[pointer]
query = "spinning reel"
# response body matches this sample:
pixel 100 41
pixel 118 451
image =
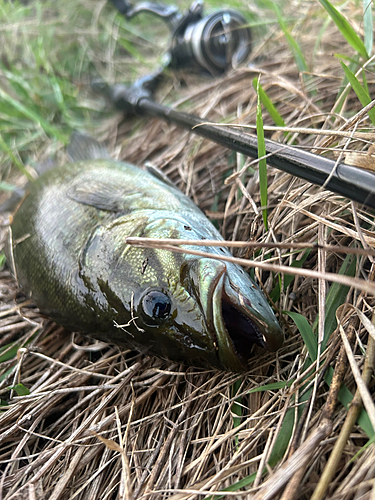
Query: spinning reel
pixel 213 43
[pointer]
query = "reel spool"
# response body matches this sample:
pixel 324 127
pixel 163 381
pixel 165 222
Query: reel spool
pixel 215 43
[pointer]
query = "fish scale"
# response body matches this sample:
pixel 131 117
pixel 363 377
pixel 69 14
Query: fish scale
pixel 71 256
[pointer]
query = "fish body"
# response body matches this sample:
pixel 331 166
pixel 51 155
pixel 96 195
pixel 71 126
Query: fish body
pixel 70 255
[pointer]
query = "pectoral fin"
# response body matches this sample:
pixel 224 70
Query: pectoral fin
pixel 83 147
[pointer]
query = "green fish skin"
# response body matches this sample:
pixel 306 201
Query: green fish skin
pixel 70 255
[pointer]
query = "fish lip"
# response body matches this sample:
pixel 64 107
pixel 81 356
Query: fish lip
pixel 235 343
pixel 210 284
pixel 226 350
pixel 214 285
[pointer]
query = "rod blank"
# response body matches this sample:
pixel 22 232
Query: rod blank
pixel 346 180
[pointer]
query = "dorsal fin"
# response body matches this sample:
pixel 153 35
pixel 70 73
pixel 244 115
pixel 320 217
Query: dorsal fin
pixel 84 147
pixel 159 174
pixel 103 195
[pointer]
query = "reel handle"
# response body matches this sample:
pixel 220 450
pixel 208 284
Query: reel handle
pixel 168 13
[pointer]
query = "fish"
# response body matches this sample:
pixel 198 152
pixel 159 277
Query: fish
pixel 70 255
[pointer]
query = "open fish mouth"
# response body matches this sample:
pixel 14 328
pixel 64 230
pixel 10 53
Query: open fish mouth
pixel 236 312
pixel 240 318
pixel 240 328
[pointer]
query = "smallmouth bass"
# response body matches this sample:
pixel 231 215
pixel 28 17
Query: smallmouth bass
pixel 70 255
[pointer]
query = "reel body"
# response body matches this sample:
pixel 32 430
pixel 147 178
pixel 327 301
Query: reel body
pixel 213 44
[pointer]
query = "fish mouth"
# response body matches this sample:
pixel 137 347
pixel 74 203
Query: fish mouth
pixel 238 325
pixel 236 312
pixel 240 328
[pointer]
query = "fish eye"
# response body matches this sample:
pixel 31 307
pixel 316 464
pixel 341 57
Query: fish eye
pixel 156 305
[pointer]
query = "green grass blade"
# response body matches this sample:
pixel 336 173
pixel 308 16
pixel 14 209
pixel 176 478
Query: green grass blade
pixel 362 95
pixel 345 397
pixel 307 333
pixel 272 387
pixel 129 47
pixel 275 293
pixel 10 352
pixel 6 373
pixel 32 115
pixel 294 46
pixel 2 259
pixel 234 487
pixel 296 263
pixel 345 29
pixel 367 25
pixel 268 104
pixel 364 447
pixel 262 161
pixel 285 433
pixel 283 438
pixel 5 186
pixel 365 84
pixel 4 146
pixel 344 57
pixel 335 298
pixel 23 88
pixel 20 389
pixel 319 38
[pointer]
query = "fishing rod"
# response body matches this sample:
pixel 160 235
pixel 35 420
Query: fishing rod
pixel 213 47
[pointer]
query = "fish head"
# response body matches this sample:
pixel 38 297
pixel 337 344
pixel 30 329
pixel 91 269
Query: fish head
pixel 170 322
pixel 201 311
pixel 208 314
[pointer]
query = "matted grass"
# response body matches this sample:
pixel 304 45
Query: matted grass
pixel 81 419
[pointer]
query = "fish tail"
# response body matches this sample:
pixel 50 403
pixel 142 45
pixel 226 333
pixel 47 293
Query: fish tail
pixel 83 147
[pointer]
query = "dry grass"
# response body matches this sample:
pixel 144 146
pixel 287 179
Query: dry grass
pixel 101 424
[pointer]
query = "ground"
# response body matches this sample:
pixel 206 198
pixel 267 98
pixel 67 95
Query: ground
pixel 83 419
